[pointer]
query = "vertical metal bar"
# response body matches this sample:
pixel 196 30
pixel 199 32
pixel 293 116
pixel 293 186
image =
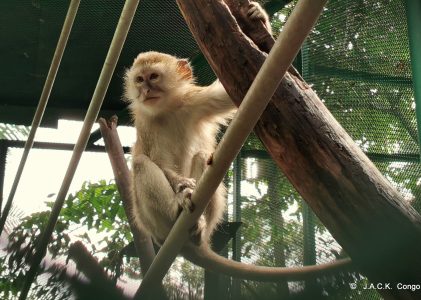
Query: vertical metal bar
pixel 3 155
pixel 236 242
pixel 261 91
pixel 42 104
pixel 304 65
pixel 215 284
pixel 110 63
pixel 308 216
pixel 236 245
pixel 309 236
pixel 309 242
pixel 413 13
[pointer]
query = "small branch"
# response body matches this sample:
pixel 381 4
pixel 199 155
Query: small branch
pixel 142 241
pixel 98 278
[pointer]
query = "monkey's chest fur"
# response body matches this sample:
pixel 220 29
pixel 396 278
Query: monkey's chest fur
pixel 172 143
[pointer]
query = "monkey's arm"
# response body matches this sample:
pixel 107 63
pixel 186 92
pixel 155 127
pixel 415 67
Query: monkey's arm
pixel 212 101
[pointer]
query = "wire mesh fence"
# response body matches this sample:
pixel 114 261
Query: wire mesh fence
pixel 357 60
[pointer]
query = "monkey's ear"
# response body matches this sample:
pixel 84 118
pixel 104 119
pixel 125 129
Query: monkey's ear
pixel 184 69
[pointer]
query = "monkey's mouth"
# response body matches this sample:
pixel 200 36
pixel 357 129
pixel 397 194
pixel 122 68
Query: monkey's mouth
pixel 151 99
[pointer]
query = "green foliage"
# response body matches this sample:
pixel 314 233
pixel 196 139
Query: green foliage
pixel 93 215
pixel 13 132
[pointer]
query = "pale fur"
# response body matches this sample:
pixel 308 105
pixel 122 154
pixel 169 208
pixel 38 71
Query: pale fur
pixel 175 138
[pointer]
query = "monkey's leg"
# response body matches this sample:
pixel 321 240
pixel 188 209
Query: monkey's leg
pixel 154 194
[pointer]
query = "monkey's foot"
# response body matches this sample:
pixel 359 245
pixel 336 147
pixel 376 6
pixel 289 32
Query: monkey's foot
pixel 256 12
pixel 197 230
pixel 184 199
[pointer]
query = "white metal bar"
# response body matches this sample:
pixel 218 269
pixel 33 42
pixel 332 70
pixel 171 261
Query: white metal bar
pixel 42 104
pixel 110 63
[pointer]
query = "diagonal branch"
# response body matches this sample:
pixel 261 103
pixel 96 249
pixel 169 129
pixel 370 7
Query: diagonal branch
pixel 142 241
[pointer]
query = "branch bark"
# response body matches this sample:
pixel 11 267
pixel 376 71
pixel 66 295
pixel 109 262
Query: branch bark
pixel 366 215
pixel 142 241
pixel 98 278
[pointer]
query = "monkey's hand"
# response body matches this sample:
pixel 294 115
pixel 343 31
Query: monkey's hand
pixel 184 190
pixel 185 183
pixel 256 12
pixel 177 182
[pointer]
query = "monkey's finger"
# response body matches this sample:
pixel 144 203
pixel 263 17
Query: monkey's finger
pixel 186 183
pixel 184 199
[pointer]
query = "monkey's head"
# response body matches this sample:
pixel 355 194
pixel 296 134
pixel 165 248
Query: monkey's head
pixel 156 81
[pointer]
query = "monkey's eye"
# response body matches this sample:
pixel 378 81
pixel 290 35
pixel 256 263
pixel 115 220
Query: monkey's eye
pixel 139 79
pixel 153 76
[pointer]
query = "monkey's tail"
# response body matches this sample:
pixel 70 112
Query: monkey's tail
pixel 204 257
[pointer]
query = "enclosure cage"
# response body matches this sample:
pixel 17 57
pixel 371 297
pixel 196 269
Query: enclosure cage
pixel 358 61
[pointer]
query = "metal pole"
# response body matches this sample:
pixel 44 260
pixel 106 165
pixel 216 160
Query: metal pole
pixel 413 12
pixel 42 104
pixel 264 86
pixel 110 63
pixel 3 155
pixel 236 241
pixel 309 242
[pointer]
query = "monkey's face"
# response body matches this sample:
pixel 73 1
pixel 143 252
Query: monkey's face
pixel 154 82
pixel 146 86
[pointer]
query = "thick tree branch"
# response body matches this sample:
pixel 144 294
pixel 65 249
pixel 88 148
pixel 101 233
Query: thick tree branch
pixel 256 30
pixel 367 216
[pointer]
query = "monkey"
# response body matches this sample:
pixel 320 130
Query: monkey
pixel 176 123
